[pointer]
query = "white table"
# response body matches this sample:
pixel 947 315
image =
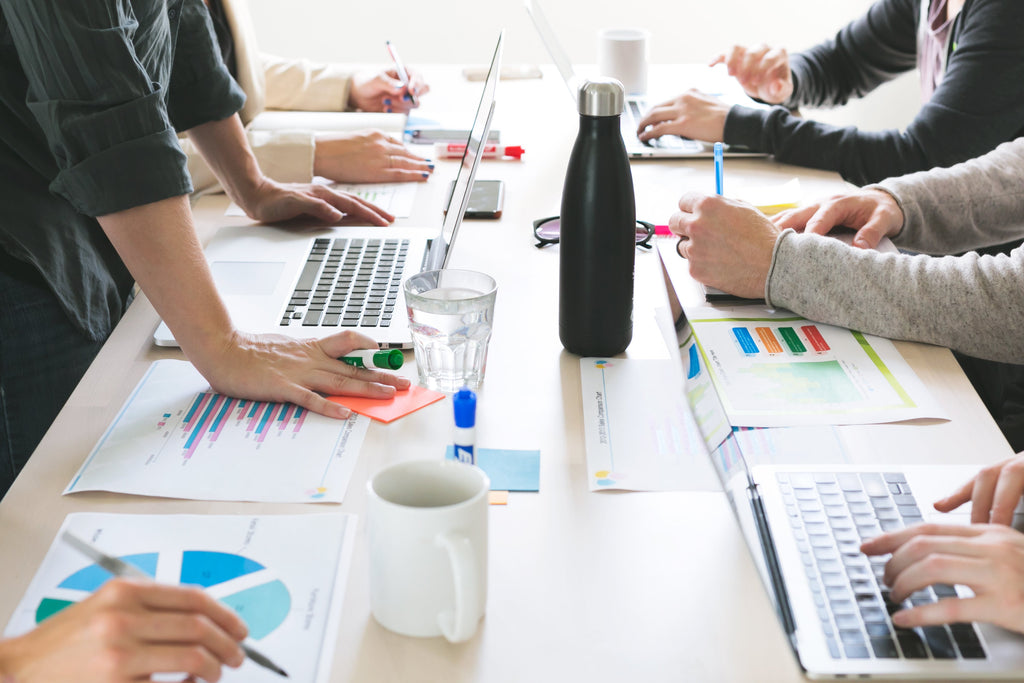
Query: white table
pixel 583 586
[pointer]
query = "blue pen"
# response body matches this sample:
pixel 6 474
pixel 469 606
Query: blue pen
pixel 718 167
pixel 464 402
pixel 402 73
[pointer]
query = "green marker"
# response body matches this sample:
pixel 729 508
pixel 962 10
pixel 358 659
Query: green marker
pixel 376 358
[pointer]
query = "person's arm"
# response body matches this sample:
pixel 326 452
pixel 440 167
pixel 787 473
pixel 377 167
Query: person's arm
pixel 303 85
pixel 976 106
pixel 128 631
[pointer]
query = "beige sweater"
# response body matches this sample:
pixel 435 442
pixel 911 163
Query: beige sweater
pixel 274 83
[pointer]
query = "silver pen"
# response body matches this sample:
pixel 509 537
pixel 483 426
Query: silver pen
pixel 119 567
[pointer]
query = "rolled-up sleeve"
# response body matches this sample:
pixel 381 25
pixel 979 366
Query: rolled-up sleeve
pixel 97 74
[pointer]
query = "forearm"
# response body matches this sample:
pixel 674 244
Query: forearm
pixel 974 204
pixel 224 146
pixel 971 304
pixel 286 156
pixel 865 53
pixel 303 85
pixel 159 246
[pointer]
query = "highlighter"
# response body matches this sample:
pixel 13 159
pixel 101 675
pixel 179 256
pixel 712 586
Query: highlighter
pixel 375 358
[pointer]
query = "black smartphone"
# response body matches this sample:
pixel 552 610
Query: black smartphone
pixel 486 199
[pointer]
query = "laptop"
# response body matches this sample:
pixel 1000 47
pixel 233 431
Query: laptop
pixel 315 283
pixel 636 106
pixel 804 525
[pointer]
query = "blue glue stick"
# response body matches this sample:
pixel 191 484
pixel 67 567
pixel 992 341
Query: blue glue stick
pixel 464 401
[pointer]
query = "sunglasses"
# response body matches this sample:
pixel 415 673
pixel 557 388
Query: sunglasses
pixel 546 231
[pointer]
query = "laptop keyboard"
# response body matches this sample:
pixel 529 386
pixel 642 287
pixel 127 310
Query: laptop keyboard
pixel 348 283
pixel 831 514
pixel 673 142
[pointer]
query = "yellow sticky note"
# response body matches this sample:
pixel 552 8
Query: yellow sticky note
pixel 771 200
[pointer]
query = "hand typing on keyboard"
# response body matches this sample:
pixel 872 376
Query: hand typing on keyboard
pixel 987 558
pixel 994 493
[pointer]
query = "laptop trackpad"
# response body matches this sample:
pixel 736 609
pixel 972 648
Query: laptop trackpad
pixel 246 278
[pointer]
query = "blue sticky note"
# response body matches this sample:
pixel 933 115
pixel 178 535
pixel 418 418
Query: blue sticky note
pixel 508 470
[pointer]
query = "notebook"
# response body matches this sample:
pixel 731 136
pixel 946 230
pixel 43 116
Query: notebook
pixel 804 525
pixel 317 282
pixel 636 106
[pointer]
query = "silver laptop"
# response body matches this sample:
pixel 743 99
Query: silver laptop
pixel 804 526
pixel 315 283
pixel 636 106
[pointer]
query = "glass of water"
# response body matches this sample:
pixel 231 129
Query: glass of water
pixel 450 314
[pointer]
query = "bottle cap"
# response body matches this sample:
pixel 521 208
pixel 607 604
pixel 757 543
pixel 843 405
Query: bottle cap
pixel 601 97
pixel 464 401
pixel 392 359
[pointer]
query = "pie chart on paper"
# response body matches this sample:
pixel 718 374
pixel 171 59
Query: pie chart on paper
pixel 260 598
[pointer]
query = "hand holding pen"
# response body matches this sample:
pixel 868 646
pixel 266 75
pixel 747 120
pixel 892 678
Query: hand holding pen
pixel 158 594
pixel 411 86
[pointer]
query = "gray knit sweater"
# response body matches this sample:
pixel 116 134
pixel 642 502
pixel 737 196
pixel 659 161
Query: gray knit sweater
pixel 973 304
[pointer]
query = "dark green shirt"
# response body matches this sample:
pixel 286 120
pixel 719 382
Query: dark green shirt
pixel 91 94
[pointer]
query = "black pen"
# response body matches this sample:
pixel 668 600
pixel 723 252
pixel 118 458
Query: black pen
pixel 119 567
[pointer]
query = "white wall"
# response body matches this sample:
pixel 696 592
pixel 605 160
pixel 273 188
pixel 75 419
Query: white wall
pixel 463 32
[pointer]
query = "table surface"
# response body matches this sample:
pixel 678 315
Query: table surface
pixel 603 586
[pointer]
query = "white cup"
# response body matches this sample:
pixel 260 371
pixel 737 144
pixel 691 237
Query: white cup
pixel 427 529
pixel 622 54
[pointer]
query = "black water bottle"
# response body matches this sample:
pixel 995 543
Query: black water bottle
pixel 597 240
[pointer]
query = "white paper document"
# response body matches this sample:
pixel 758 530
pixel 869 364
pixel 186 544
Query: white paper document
pixel 774 368
pixel 650 425
pixel 176 438
pixel 285 575
pixel 395 198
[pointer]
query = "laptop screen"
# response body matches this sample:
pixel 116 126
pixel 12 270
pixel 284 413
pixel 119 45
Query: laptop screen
pixel 440 248
pixel 554 48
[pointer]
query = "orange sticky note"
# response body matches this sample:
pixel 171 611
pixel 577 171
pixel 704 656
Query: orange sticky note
pixel 390 409
pixel 497 497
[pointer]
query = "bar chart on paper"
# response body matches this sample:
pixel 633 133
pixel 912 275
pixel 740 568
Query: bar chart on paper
pixel 175 437
pixel 773 369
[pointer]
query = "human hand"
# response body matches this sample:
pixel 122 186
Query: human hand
pixel 273 202
pixel 367 157
pixel 691 115
pixel 728 244
pixel 127 631
pixel 874 214
pixel 993 493
pixel 383 91
pixel 987 558
pixel 762 71
pixel 273 367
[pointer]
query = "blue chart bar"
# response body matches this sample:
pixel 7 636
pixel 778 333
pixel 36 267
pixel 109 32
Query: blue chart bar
pixel 195 406
pixel 694 362
pixel 220 416
pixel 197 428
pixel 255 407
pixel 746 342
pixel 266 417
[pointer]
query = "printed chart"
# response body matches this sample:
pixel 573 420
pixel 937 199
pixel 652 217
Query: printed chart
pixel 284 575
pixel 772 368
pixel 176 438
pixel 260 598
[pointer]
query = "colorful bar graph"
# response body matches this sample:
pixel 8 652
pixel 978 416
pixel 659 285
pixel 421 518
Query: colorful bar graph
pixel 770 341
pixel 817 342
pixel 746 342
pixel 792 339
pixel 210 414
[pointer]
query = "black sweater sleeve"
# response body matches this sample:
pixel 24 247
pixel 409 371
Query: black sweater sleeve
pixel 978 104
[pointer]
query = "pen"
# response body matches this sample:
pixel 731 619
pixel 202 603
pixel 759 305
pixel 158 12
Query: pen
pixel 119 567
pixel 464 402
pixel 718 168
pixel 375 358
pixel 402 73
pixel 455 150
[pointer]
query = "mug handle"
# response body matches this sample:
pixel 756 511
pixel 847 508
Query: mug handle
pixel 459 624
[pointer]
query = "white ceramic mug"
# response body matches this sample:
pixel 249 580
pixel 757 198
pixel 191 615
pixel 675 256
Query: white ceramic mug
pixel 427 528
pixel 622 54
